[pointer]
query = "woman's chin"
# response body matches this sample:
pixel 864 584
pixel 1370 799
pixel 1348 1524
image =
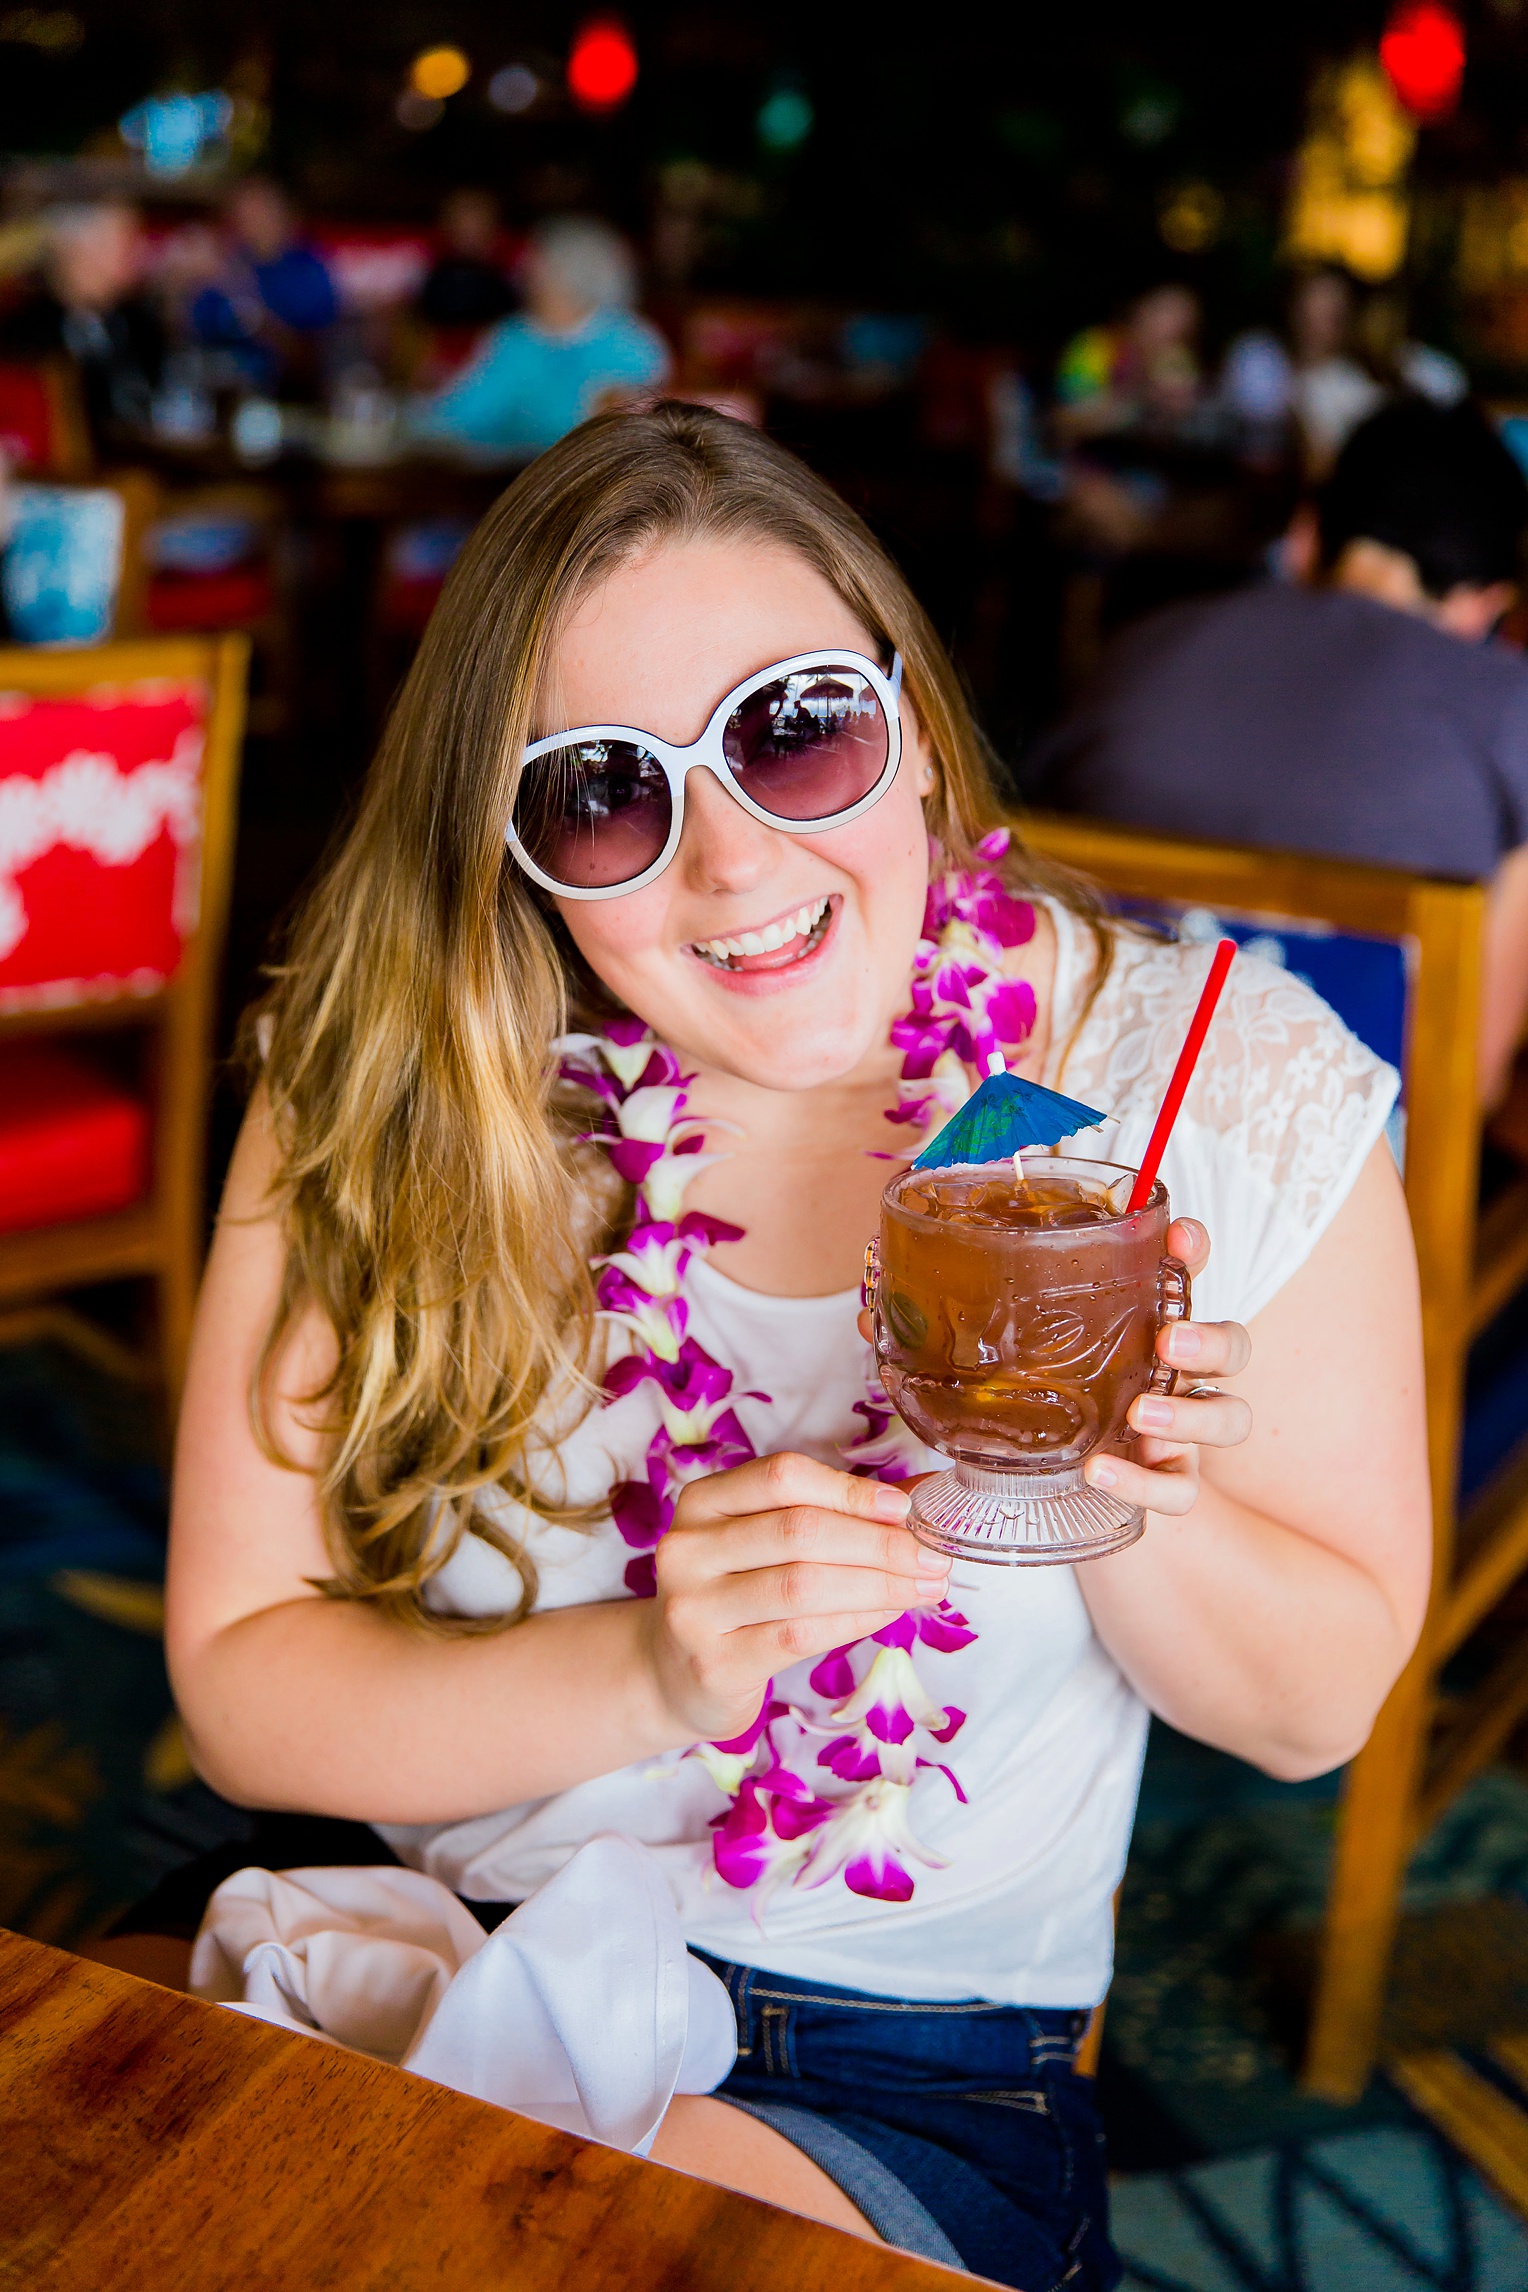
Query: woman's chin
pixel 773 1051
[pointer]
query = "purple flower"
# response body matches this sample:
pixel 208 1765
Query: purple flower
pixel 641 1578
pixel 869 1839
pixel 833 1676
pixel 659 1323
pixel 949 1775
pixel 754 1731
pixel 795 1817
pixel 911 1110
pixel 902 1631
pixel 1010 1011
pixel 953 983
pixel 954 1720
pixel 747 1846
pixel 994 844
pixel 999 916
pixel 944 1628
pixel 639 1513
pixel 705 1231
pixel 740 1845
pixel 878 1874
pixel 633 1157
pixel 851 1758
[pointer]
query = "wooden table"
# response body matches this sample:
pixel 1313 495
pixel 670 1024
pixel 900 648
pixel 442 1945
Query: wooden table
pixel 150 2141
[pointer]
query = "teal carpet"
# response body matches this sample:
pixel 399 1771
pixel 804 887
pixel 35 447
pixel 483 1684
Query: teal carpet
pixel 1230 2180
pixel 1390 2210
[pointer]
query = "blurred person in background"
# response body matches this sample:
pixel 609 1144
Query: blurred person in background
pixel 1383 334
pixel 1330 391
pixel 90 307
pixel 466 285
pixel 577 348
pixel 272 295
pixel 1362 709
pixel 1339 364
pixel 1142 374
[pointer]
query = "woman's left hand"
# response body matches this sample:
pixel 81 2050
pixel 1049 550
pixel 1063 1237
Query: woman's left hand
pixel 1162 1471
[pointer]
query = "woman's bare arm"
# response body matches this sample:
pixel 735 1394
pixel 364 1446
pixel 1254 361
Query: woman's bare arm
pixel 1504 975
pixel 1273 1618
pixel 294 1700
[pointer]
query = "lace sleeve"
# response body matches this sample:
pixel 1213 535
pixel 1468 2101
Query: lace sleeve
pixel 1282 1112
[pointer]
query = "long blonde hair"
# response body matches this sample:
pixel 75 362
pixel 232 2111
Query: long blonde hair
pixel 438 1214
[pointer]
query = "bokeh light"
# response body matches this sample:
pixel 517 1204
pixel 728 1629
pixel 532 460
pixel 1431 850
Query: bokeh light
pixel 514 89
pixel 602 65
pixel 1190 218
pixel 417 112
pixel 785 119
pixel 439 72
pixel 1423 54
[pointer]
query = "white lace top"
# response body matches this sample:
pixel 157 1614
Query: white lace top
pixel 1284 1109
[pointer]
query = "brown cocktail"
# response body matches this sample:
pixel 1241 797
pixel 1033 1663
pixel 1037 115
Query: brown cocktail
pixel 1015 1322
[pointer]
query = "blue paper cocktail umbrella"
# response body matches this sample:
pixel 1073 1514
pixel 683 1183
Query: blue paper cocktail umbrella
pixel 1006 1116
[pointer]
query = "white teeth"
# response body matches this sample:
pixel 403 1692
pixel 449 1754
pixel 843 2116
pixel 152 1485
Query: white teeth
pixel 770 940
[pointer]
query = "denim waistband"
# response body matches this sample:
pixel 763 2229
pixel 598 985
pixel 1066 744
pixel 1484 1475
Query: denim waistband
pixel 767 2005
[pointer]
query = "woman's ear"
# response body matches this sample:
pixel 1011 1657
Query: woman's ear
pixel 915 750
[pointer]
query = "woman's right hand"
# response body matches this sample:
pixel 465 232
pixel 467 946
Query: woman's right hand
pixel 774 1561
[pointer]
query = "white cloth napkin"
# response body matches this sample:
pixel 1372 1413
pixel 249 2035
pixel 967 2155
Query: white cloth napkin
pixel 584 2009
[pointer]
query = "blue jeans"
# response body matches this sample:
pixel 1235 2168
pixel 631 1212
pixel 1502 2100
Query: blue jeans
pixel 961 2131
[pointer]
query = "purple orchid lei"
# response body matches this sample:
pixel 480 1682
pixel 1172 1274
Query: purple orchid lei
pixel 881 1722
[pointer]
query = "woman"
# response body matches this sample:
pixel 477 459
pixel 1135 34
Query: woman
pixel 403 1577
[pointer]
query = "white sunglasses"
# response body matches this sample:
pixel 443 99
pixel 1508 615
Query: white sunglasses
pixel 805 745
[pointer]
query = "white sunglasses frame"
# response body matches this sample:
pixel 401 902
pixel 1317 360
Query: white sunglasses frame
pixel 707 751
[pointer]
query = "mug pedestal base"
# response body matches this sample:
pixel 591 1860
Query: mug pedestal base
pixel 1021 1519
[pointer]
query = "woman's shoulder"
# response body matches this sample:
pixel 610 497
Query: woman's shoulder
pixel 1282 1083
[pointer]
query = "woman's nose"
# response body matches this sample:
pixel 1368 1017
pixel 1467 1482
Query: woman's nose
pixel 722 847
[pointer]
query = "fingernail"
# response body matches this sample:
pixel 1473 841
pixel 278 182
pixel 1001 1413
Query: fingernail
pixel 892 1503
pixel 932 1563
pixel 1184 1343
pixel 1153 1415
pixel 1101 1474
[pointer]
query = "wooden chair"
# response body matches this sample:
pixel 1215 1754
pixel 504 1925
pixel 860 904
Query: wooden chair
pixel 43 432
pixel 147 932
pixel 1406 1774
pixel 251 593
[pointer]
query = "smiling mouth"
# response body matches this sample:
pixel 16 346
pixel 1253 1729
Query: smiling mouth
pixel 788 940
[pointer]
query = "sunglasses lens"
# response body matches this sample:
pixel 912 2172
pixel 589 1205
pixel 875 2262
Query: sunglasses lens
pixel 594 814
pixel 810 745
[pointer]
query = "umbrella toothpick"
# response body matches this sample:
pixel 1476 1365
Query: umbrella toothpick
pixel 1003 1120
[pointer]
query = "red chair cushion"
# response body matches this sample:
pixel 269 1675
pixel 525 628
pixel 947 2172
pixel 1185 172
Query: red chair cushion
pixel 406 604
pixel 73 1143
pixel 26 418
pixel 100 825
pixel 226 600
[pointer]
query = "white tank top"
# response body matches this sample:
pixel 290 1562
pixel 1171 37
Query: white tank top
pixel 1282 1113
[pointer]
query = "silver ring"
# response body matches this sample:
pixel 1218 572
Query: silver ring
pixel 1204 1393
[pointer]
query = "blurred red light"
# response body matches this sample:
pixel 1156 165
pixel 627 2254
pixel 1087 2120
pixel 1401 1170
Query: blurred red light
pixel 1423 54
pixel 602 65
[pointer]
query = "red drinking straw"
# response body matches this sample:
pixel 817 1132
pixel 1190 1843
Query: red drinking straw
pixel 1188 1059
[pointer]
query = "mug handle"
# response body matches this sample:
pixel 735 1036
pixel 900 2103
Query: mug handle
pixel 1174 1303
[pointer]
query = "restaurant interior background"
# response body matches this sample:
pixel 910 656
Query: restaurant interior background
pixel 894 236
